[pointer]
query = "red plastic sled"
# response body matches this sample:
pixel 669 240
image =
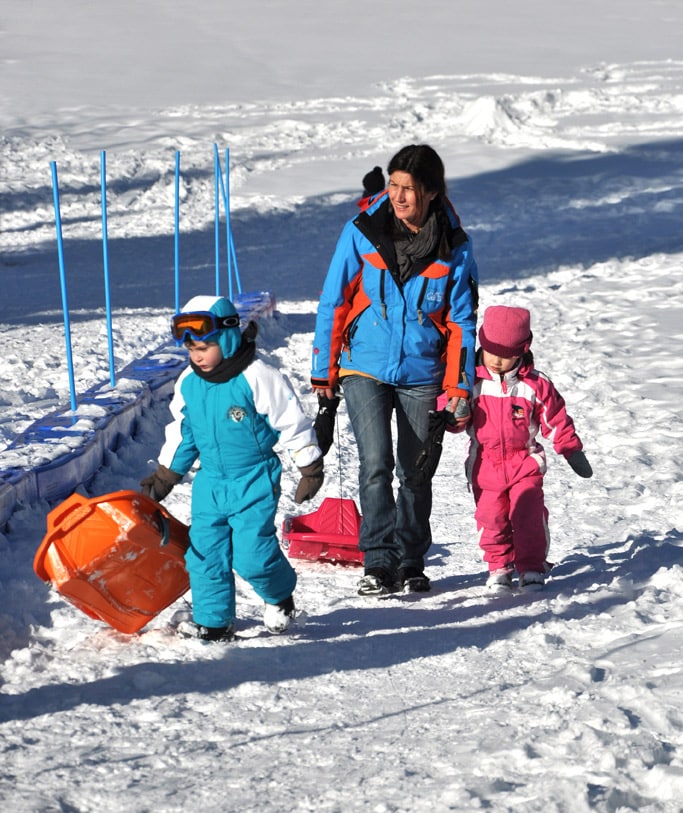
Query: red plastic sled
pixel 119 558
pixel 328 534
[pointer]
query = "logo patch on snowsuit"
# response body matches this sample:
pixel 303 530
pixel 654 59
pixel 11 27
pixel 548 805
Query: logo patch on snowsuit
pixel 237 413
pixel 517 413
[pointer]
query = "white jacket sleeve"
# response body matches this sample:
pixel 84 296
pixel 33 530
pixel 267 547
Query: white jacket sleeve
pixel 175 439
pixel 275 398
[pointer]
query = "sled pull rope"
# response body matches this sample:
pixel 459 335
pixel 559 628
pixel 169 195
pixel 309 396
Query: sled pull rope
pixel 341 479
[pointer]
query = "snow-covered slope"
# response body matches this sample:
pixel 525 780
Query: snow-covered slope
pixel 560 129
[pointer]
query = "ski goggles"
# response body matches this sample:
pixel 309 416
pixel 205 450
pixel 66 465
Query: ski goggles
pixel 200 325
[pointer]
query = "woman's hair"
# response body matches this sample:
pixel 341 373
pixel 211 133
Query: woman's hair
pixel 424 164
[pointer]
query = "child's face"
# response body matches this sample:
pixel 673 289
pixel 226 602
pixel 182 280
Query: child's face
pixel 497 364
pixel 205 355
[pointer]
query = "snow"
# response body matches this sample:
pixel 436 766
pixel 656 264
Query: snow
pixel 560 128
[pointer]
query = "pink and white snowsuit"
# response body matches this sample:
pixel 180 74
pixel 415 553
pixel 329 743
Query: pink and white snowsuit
pixel 505 463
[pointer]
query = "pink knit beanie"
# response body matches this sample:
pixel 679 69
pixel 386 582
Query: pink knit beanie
pixel 506 332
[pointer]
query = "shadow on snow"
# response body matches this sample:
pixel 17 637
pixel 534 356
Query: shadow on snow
pixel 532 217
pixel 581 586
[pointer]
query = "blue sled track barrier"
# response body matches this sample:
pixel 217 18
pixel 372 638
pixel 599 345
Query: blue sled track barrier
pixel 70 445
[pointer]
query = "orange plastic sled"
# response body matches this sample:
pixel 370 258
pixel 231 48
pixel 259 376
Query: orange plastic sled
pixel 119 558
pixel 328 534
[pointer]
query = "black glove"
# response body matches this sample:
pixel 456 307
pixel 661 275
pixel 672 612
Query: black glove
pixel 373 182
pixel 578 461
pixel 311 479
pixel 324 421
pixel 429 455
pixel 159 485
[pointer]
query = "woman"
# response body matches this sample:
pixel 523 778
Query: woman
pixel 395 328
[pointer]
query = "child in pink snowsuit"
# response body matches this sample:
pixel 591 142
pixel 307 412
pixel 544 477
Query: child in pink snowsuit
pixel 511 403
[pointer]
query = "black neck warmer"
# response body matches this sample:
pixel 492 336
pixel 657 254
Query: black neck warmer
pixel 233 366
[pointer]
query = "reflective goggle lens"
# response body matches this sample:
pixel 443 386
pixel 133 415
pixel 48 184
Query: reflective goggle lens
pixel 200 326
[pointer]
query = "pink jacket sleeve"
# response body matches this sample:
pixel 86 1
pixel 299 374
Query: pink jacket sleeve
pixel 555 423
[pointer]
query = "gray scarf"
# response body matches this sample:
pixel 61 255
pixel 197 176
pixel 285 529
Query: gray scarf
pixel 411 246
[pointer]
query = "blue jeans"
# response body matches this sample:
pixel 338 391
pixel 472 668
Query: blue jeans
pixel 395 532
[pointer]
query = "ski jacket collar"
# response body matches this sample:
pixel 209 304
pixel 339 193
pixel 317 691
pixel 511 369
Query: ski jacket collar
pixel 377 224
pixel 524 366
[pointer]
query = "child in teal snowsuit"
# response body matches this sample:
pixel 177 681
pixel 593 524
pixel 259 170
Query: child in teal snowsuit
pixel 229 410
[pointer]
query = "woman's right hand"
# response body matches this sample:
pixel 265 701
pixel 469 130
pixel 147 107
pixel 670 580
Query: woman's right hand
pixel 328 392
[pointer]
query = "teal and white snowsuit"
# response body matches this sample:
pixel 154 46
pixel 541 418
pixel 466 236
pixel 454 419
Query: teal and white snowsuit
pixel 232 428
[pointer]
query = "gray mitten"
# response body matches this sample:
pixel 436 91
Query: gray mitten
pixel 311 480
pixel 578 461
pixel 462 410
pixel 159 484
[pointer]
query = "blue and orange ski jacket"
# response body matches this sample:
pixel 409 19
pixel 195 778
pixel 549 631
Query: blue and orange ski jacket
pixel 413 333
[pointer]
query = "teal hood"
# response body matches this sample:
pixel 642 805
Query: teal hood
pixel 229 338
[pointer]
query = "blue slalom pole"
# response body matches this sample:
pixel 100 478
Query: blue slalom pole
pixel 219 194
pixel 62 278
pixel 232 256
pixel 177 230
pixel 227 221
pixel 230 243
pixel 217 215
pixel 105 255
pixel 234 264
